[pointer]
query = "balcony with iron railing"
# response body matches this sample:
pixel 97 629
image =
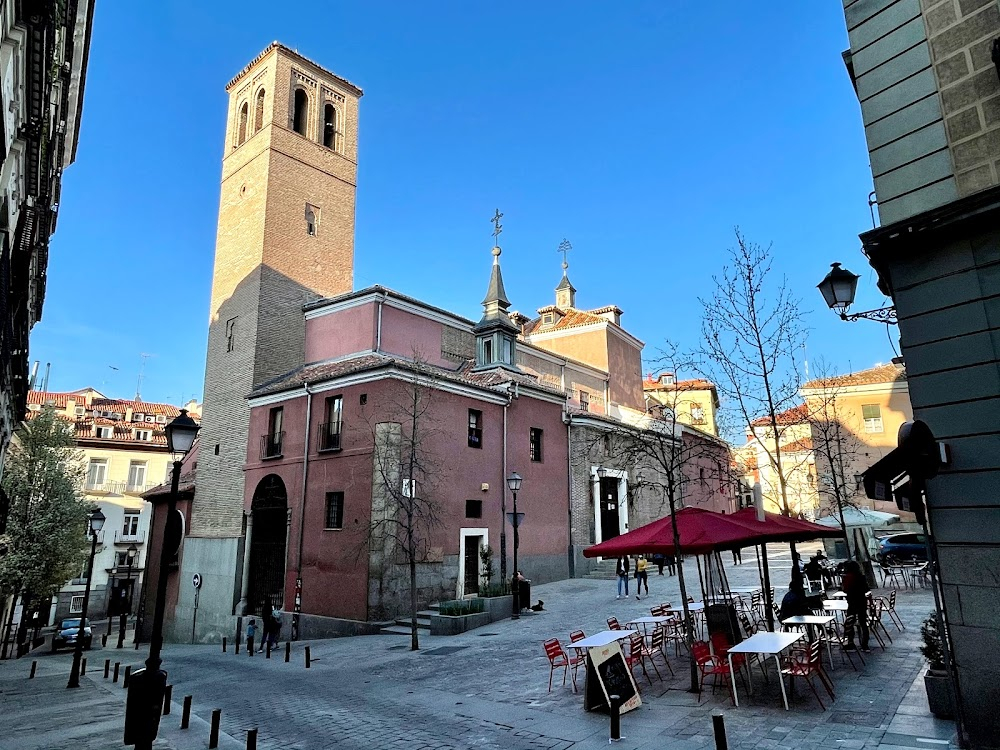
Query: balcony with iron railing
pixel 331 436
pixel 137 538
pixel 270 445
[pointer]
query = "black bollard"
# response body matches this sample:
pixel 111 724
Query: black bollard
pixel 307 657
pixel 34 666
pixel 251 739
pixel 213 737
pixel 128 671
pixel 237 642
pixel 223 644
pixel 118 665
pixel 267 648
pixel 168 693
pixel 137 645
pixel 186 712
pixel 250 645
pixel 719 725
pixel 83 666
pixel 288 651
pixel 616 718
pixel 104 641
pixel 107 668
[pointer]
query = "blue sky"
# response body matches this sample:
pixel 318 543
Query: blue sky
pixel 641 131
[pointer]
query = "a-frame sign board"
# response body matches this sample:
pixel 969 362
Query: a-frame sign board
pixel 607 675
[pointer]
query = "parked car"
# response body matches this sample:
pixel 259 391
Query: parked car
pixel 68 631
pixel 902 548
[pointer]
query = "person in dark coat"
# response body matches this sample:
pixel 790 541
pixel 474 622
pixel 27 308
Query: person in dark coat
pixel 794 602
pixel 622 569
pixel 856 587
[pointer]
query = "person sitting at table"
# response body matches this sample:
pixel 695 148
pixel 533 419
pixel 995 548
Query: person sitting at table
pixel 794 603
pixel 814 569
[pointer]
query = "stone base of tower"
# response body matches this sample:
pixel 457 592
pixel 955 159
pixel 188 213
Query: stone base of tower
pixel 219 562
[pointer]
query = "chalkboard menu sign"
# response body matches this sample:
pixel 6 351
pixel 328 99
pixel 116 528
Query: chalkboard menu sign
pixel 607 675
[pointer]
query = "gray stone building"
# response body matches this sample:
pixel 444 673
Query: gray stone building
pixel 926 75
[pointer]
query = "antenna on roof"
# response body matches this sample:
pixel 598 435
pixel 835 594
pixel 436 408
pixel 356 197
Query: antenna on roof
pixel 142 367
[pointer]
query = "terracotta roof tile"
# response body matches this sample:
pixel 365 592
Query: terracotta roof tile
pixel 694 384
pixel 58 399
pixel 799 446
pixel 572 319
pixel 889 373
pixel 795 415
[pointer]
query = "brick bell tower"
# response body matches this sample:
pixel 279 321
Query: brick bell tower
pixel 285 236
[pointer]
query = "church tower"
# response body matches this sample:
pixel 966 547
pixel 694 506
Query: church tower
pixel 285 236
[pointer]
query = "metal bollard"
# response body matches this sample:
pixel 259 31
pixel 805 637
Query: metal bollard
pixel 616 718
pixel 104 641
pixel 250 645
pixel 267 648
pixel 128 671
pixel 252 739
pixel 186 712
pixel 237 642
pixel 719 725
pixel 34 666
pixel 223 644
pixel 168 694
pixel 288 651
pixel 107 668
pixel 118 665
pixel 83 666
pixel 213 737
pixel 307 657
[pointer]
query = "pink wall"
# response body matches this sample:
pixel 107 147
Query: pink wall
pixel 340 333
pixel 335 568
pixel 711 461
pixel 413 337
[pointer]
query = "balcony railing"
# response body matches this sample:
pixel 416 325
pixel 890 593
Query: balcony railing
pixel 137 538
pixel 96 486
pixel 270 445
pixel 330 434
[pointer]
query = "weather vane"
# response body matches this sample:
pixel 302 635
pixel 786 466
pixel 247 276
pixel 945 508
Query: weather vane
pixel 564 248
pixel 497 229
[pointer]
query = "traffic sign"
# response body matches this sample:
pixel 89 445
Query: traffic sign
pixel 196 581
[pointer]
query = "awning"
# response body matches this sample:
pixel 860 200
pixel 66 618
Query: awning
pixel 860 517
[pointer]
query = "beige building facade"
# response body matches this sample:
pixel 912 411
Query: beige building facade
pixel 695 402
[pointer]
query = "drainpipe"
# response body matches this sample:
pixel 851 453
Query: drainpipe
pixel 503 495
pixel 378 325
pixel 607 397
pixel 569 495
pixel 302 512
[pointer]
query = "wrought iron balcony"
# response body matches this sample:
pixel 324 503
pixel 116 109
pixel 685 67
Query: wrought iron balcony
pixel 270 445
pixel 330 434
pixel 137 538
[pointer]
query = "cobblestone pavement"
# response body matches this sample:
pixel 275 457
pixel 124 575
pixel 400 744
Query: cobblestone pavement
pixel 488 689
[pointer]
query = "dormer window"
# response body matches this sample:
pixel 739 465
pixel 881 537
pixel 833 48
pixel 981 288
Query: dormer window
pixel 143 434
pixel 548 319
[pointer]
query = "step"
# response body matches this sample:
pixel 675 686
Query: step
pixel 423 623
pixel 395 630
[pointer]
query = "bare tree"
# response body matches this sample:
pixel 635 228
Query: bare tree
pixel 406 473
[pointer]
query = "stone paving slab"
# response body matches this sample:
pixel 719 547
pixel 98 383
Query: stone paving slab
pixel 490 690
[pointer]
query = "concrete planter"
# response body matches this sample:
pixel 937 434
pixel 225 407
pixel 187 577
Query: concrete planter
pixel 453 625
pixel 939 695
pixel 498 607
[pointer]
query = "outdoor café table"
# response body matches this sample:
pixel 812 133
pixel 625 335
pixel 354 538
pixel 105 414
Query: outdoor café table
pixel 765 644
pixel 643 622
pixel 694 608
pixel 593 641
pixel 809 621
pixel 838 595
pixel 744 589
pixel 835 605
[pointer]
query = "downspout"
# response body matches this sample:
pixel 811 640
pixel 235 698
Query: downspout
pixel 302 513
pixel 378 325
pixel 569 492
pixel 607 397
pixel 503 495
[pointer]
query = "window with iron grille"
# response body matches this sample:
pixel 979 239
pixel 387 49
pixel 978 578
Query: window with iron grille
pixel 535 444
pixel 331 429
pixel 475 428
pixel 584 401
pixel 334 510
pixel 76 605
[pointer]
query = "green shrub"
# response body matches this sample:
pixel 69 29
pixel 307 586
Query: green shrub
pixel 932 647
pixel 500 588
pixel 456 607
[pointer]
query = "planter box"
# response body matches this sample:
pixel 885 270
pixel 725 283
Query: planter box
pixel 498 607
pixel 453 625
pixel 939 695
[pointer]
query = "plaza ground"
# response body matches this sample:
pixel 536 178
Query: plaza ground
pixel 483 689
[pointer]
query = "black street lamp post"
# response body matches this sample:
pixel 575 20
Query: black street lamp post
pixel 145 705
pixel 514 483
pixel 838 288
pixel 96 524
pixel 130 554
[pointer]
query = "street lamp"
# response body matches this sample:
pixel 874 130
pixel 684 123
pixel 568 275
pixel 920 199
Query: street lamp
pixel 130 554
pixel 514 483
pixel 96 521
pixel 838 289
pixel 150 683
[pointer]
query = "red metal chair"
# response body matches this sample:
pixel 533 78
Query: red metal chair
pixel 658 645
pixel 638 653
pixel 711 665
pixel 559 658
pixel 807 664
pixel 613 624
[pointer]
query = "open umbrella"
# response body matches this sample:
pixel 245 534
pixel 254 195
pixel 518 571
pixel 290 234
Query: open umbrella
pixel 701 531
pixel 778 528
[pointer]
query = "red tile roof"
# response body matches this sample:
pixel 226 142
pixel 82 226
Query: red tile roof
pixel 795 415
pixel 694 384
pixel 58 399
pixel 799 446
pixel 889 373
pixel 572 319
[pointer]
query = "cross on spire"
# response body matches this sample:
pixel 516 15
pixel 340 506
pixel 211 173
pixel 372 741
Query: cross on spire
pixel 564 248
pixel 497 228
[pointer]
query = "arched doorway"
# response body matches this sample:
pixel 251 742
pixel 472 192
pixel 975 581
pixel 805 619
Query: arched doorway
pixel 266 584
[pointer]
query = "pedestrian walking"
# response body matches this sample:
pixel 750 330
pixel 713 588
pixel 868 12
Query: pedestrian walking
pixel 622 569
pixel 737 557
pixel 641 577
pixel 275 633
pixel 857 589
pixel 659 560
pixel 671 565
pixel 251 632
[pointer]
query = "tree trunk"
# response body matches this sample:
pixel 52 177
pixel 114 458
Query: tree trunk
pixel 414 640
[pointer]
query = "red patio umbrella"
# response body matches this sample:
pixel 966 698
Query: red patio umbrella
pixel 701 531
pixel 778 528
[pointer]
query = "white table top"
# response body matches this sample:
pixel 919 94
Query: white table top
pixel 602 639
pixel 744 589
pixel 766 643
pixel 807 620
pixel 839 604
pixel 692 607
pixel 838 595
pixel 651 620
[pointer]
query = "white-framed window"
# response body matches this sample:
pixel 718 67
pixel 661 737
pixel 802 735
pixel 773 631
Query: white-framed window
pixel 130 525
pixel 697 414
pixel 104 432
pixel 584 401
pixel 872 415
pixel 97 472
pixel 76 605
pixel 143 434
pixel 136 474
pixel 409 487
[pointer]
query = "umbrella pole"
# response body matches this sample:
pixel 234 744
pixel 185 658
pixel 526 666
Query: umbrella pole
pixel 724 578
pixel 701 581
pixel 768 601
